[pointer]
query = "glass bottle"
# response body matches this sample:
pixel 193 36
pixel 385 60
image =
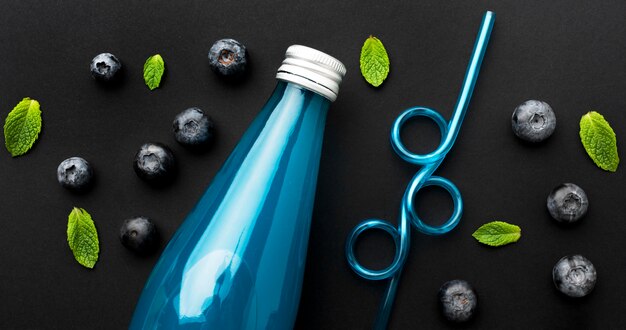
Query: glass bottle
pixel 237 261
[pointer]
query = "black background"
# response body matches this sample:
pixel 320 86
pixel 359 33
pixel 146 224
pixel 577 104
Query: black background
pixel 567 53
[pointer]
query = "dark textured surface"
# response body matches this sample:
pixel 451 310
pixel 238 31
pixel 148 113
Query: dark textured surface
pixel 567 53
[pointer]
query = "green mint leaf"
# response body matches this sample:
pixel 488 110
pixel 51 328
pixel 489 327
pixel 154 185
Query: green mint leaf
pixel 599 141
pixel 153 71
pixel 497 233
pixel 22 127
pixel 374 61
pixel 83 237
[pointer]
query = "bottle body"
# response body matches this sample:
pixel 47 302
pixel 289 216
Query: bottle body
pixel 238 259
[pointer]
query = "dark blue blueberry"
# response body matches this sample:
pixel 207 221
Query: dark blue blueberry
pixel 75 174
pixel 575 276
pixel 567 203
pixel 155 163
pixel 533 121
pixel 227 57
pixel 105 67
pixel 193 127
pixel 458 300
pixel 140 235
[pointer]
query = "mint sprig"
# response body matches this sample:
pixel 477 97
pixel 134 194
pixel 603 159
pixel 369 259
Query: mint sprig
pixel 153 70
pixel 599 141
pixel 374 61
pixel 82 237
pixel 22 127
pixel 497 233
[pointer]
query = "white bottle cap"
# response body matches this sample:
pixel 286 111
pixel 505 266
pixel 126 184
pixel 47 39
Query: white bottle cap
pixel 313 70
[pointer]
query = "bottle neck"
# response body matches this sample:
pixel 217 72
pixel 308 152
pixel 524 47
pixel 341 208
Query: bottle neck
pixel 284 88
pixel 303 78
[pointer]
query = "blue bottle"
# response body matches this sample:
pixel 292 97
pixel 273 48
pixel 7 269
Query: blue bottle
pixel 237 261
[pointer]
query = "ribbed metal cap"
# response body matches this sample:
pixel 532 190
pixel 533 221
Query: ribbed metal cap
pixel 313 70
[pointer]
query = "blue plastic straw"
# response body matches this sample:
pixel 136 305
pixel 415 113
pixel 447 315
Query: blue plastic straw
pixel 429 162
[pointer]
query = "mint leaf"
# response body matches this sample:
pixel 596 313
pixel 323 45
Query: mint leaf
pixel 599 141
pixel 22 127
pixel 153 71
pixel 497 233
pixel 374 61
pixel 83 237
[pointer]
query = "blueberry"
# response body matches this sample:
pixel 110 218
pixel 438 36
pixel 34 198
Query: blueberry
pixel 227 57
pixel 105 67
pixel 193 127
pixel 155 163
pixel 567 203
pixel 75 174
pixel 575 276
pixel 457 300
pixel 140 235
pixel 533 121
